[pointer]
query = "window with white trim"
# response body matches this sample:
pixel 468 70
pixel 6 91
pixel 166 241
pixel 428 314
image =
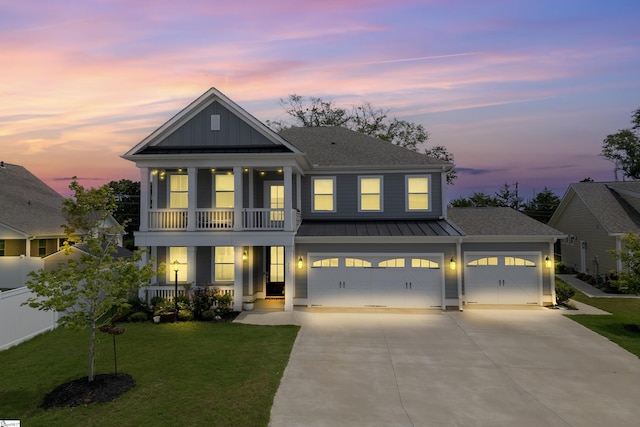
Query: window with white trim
pixel 178 191
pixel 224 264
pixel 324 192
pixel 370 191
pixel 224 186
pixel 418 193
pixel 177 253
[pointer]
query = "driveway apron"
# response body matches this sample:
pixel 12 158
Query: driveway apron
pixel 473 368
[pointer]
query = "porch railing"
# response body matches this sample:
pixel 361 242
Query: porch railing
pixel 220 219
pixel 168 292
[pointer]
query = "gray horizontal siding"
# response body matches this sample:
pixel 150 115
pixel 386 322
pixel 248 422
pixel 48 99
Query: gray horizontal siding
pixel 394 194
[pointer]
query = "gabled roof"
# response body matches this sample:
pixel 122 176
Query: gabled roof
pixel 28 205
pixel 499 221
pixel 149 145
pixel 615 205
pixel 329 146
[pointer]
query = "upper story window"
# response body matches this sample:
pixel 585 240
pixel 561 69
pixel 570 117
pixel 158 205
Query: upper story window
pixel 418 193
pixel 324 194
pixel 178 191
pixel 224 186
pixel 42 247
pixel 370 189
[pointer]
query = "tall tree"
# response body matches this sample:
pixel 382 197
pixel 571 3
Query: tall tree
pixel 127 211
pixel 478 199
pixel 623 148
pixel 86 289
pixel 363 118
pixel 542 206
pixel 629 277
pixel 508 197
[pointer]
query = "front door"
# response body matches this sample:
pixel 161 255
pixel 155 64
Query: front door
pixel 275 275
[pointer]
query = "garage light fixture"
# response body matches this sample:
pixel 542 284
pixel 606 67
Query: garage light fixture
pixel 300 262
pixel 452 263
pixel 547 262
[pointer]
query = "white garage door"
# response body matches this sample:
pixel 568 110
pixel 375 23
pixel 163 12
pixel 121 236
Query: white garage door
pixel 376 280
pixel 503 278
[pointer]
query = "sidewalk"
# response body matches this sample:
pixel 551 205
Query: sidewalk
pixel 589 290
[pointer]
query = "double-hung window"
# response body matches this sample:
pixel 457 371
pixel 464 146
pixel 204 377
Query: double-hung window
pixel 224 263
pixel 224 185
pixel 418 193
pixel 370 190
pixel 178 191
pixel 324 194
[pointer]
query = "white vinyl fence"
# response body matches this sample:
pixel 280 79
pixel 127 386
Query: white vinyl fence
pixel 19 323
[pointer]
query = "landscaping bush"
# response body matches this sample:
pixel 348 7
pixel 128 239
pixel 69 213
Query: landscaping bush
pixel 185 315
pixel 209 315
pixel 563 293
pixel 203 299
pixel 138 316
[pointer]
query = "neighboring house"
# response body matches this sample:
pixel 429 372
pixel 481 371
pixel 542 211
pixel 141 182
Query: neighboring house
pixel 30 224
pixel 324 217
pixel 595 216
pixel 75 253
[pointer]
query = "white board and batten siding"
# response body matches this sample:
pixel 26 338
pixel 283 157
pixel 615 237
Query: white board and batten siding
pixel 394 280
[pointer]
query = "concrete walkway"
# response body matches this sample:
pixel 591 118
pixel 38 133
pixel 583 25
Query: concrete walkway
pixel 480 367
pixel 588 290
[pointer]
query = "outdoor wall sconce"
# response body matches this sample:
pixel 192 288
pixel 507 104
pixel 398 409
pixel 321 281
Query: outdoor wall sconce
pixel 452 264
pixel 547 262
pixel 245 255
pixel 300 262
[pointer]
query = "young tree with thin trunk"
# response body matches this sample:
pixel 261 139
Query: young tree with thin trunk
pixel 86 289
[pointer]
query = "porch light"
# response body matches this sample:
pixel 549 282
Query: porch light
pixel 300 262
pixel 245 255
pixel 452 264
pixel 547 262
pixel 262 173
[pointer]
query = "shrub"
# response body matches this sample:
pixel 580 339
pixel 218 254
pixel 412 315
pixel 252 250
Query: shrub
pixel 563 293
pixel 185 315
pixel 208 315
pixel 203 299
pixel 224 300
pixel 138 316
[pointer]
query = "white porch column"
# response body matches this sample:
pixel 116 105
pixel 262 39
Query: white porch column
pixel 144 199
pixel 238 277
pixel 299 192
pixel 289 276
pixel 191 264
pixel 237 198
pixel 288 200
pixel 192 187
pixel 552 273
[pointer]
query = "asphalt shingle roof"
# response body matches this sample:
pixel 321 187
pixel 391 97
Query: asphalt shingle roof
pixel 615 204
pixel 28 204
pixel 498 221
pixel 338 146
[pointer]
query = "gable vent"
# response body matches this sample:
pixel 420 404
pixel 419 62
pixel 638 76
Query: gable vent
pixel 215 122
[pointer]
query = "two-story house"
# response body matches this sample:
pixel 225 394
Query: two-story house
pixel 323 217
pixel 30 224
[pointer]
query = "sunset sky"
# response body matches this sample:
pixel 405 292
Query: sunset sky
pixel 519 91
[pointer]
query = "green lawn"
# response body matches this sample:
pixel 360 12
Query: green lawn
pixel 623 311
pixel 191 373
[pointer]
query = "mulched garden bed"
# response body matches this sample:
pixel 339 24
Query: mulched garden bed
pixel 104 388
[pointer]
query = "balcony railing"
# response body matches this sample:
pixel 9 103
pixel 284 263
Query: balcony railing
pixel 220 219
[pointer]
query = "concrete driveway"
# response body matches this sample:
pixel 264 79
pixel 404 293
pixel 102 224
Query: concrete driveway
pixel 477 368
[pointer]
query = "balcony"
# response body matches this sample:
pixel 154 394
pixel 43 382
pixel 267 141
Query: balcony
pixel 220 219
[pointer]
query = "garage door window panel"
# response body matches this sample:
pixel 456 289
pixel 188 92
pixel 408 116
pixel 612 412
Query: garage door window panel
pixel 392 263
pixel 356 262
pixel 326 262
pixel 424 263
